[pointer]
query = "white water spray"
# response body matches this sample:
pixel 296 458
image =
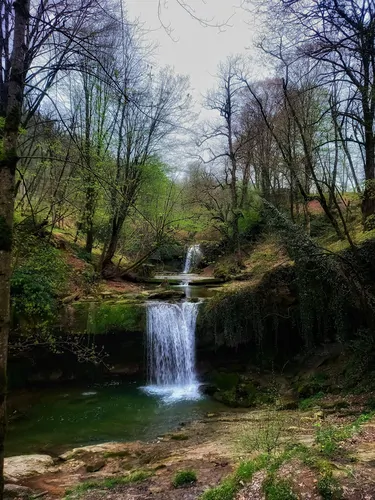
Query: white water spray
pixel 192 258
pixel 171 350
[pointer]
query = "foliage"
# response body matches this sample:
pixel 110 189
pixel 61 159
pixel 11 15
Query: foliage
pixel 329 487
pixel 225 491
pixel 184 478
pixel 231 485
pixel 328 438
pixel 307 403
pixel 246 470
pixel 39 277
pixel 278 489
pixel 256 315
pixel 268 435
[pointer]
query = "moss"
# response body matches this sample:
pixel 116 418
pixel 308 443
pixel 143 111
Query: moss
pixel 184 478
pixel 237 398
pixel 5 235
pixel 179 437
pixel 223 380
pixel 104 317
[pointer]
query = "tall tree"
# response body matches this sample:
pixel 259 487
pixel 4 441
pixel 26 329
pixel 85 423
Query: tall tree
pixel 12 90
pixel 37 39
pixel 340 36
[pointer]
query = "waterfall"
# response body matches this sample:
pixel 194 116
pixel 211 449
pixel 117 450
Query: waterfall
pixel 192 258
pixel 171 350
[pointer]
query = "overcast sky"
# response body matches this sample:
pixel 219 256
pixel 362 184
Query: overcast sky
pixel 191 48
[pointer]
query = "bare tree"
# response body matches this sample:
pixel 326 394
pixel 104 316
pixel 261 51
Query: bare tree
pixel 223 142
pixel 340 36
pixel 151 114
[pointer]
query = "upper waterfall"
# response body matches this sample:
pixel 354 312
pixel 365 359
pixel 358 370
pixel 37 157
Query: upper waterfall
pixel 193 256
pixel 171 349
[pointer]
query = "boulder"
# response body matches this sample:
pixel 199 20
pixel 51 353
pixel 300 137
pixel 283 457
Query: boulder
pixel 17 491
pixel 167 295
pixel 27 465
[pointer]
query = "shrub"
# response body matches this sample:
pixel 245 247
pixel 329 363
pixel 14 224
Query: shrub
pixel 268 435
pixel 278 489
pixel 40 275
pixel 328 487
pixel 184 478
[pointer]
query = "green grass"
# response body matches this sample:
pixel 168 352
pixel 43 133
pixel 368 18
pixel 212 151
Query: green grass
pixel 106 483
pixel 278 489
pixel 328 438
pixel 231 485
pixel 307 403
pixel 225 491
pixel 184 478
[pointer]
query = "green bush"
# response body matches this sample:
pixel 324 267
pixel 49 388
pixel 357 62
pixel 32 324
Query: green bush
pixel 329 487
pixel 278 489
pixel 40 275
pixel 184 478
pixel 308 403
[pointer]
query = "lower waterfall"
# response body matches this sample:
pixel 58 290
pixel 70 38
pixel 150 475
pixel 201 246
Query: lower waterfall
pixel 171 350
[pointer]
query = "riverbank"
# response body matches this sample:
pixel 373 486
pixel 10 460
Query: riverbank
pixel 329 447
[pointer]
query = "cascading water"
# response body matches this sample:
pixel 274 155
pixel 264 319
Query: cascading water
pixel 192 258
pixel 171 350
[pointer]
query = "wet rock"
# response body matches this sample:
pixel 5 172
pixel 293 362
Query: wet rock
pixel 167 295
pixel 208 389
pixel 287 402
pixel 129 369
pixel 17 491
pixel 27 465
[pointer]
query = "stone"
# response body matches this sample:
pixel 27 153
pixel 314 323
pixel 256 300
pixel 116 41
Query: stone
pixel 365 452
pixel 129 369
pixel 95 465
pixel 167 295
pixel 17 491
pixel 27 465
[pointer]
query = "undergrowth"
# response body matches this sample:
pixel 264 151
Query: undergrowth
pixel 106 483
pixel 184 478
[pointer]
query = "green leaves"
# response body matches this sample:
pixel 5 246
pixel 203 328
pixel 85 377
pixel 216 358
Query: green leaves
pixel 37 280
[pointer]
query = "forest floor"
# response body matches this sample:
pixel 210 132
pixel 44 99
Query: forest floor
pixel 325 451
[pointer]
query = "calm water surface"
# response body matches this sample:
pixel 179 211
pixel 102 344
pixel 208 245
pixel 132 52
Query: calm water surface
pixel 55 420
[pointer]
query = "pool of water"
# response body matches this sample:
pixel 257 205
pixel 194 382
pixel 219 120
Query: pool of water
pixel 56 420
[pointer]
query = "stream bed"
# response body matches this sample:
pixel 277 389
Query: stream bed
pixel 53 420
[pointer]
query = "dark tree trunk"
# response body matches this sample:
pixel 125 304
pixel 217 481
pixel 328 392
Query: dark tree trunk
pixel 368 198
pixel 117 223
pixel 8 162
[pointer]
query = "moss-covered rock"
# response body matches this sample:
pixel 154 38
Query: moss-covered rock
pixel 107 316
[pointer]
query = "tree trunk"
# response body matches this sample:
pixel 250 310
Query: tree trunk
pixel 368 200
pixel 89 218
pixel 117 223
pixel 8 164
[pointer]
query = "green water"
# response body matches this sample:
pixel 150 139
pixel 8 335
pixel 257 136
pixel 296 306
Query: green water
pixel 56 420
